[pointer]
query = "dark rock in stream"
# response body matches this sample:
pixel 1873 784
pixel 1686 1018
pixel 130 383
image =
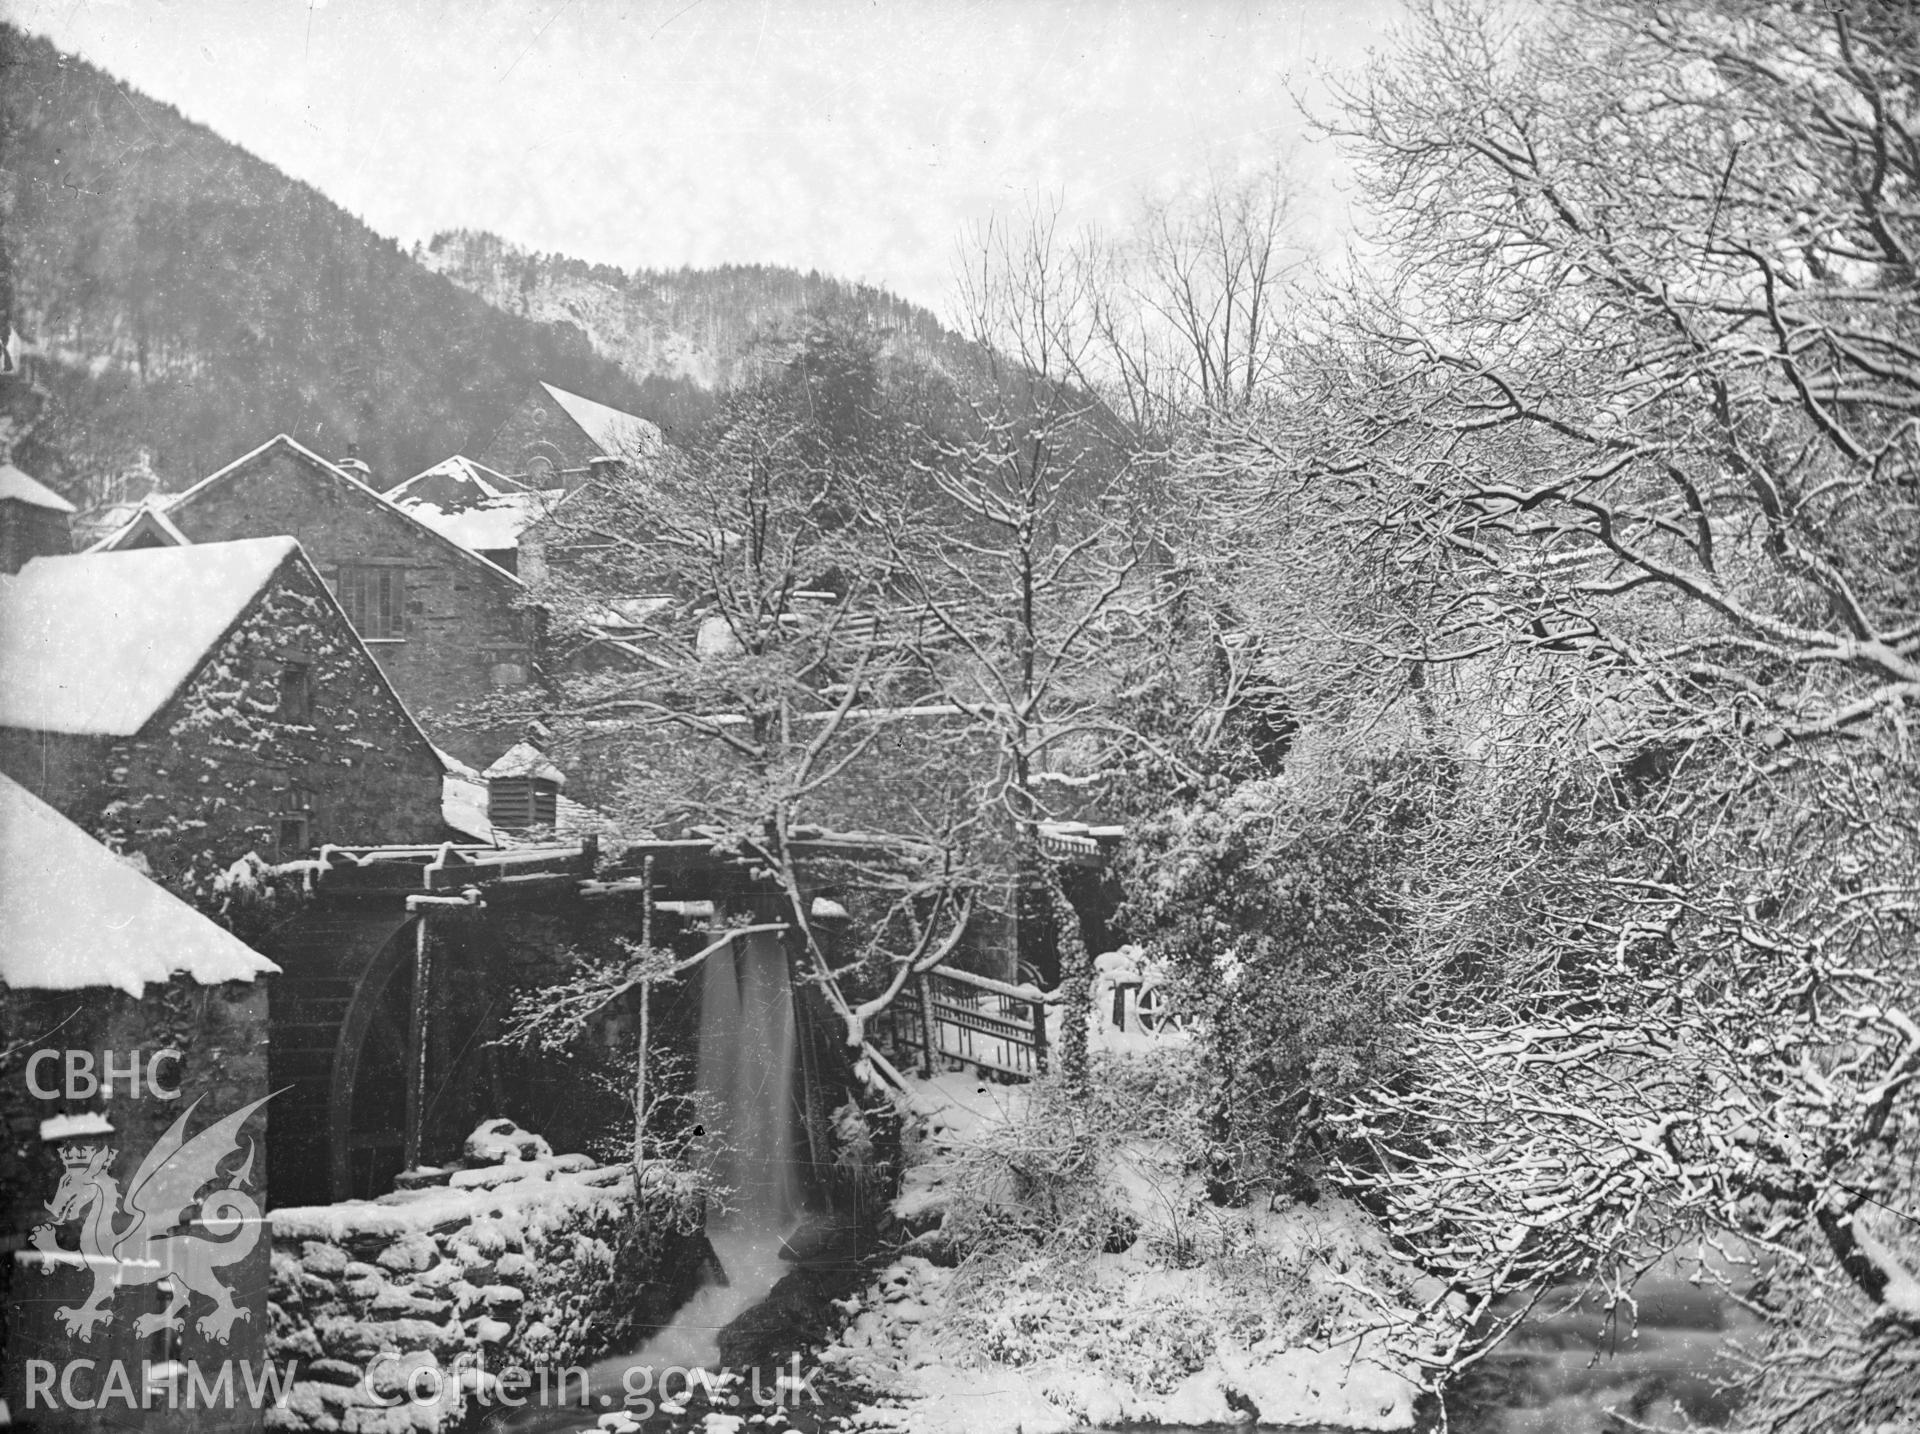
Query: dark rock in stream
pixel 798 1313
pixel 824 1240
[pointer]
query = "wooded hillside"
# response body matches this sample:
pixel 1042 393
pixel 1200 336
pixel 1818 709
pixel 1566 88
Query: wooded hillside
pixel 188 300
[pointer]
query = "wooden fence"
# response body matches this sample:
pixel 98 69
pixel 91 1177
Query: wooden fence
pixel 955 1015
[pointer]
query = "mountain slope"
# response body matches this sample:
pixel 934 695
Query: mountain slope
pixel 687 334
pixel 185 301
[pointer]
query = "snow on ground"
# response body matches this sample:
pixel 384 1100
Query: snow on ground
pixel 1207 1316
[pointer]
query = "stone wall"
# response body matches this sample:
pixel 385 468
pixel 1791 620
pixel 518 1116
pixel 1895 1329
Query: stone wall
pixel 465 634
pixel 205 781
pixel 29 531
pixel 536 1264
pixel 538 428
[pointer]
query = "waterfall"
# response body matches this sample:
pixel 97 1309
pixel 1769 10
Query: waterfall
pixel 746 1103
pixel 746 1082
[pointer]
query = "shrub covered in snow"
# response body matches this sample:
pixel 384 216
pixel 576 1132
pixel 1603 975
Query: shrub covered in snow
pixel 1068 1257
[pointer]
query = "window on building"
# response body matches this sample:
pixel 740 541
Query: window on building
pixel 375 599
pixel 296 692
pixel 293 824
pixel 293 834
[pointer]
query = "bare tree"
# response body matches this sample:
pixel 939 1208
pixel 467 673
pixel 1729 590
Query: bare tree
pixel 1629 407
pixel 1038 574
pixel 1212 269
pixel 771 703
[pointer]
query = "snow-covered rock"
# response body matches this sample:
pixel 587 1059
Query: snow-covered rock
pixel 496 1141
pixel 538 1271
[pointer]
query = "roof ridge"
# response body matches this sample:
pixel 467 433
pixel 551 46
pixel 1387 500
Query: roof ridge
pixel 302 451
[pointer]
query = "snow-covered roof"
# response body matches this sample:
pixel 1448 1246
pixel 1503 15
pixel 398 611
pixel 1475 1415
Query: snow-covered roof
pixel 148 521
pixel 614 432
pixel 460 471
pixel 472 505
pixel 21 489
pixel 76 915
pixel 523 759
pixel 489 524
pixel 626 612
pixel 98 643
pixel 463 807
pixel 177 501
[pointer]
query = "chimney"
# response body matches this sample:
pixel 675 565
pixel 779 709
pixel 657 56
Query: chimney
pixel 353 465
pixel 33 521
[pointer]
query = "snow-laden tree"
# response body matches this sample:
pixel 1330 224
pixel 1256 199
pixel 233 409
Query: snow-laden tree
pixel 1623 418
pixel 773 699
pixel 1035 577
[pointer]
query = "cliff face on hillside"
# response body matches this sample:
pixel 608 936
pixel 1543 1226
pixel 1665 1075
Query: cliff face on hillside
pixel 686 334
pixel 182 301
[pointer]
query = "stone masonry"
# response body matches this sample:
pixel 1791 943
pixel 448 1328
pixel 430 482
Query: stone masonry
pixel 204 782
pixel 465 633
pixel 407 1312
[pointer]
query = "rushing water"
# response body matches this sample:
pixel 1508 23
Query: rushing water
pixel 745 1100
pixel 1563 1372
pixel 1569 1369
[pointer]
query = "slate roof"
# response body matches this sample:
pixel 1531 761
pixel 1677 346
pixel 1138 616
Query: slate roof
pixel 148 518
pixel 463 472
pixel 96 644
pixel 174 504
pixel 76 915
pixel 473 505
pixel 463 807
pixel 523 759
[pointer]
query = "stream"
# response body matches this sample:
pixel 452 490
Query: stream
pixel 1565 1367
pixel 745 1083
pixel 776 1268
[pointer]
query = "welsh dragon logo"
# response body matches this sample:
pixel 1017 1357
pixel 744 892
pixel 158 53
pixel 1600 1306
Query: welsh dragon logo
pixel 157 1242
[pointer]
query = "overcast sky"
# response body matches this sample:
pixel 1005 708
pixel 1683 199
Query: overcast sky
pixel 857 138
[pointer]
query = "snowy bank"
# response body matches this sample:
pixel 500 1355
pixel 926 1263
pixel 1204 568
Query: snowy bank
pixel 1170 1311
